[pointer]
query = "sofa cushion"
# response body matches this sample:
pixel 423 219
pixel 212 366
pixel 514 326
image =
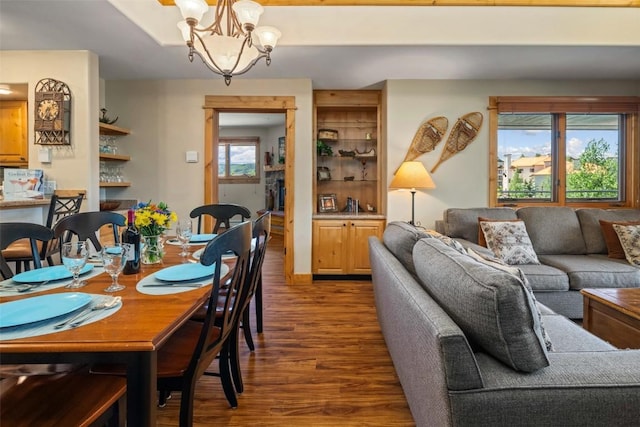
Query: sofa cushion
pixel 553 230
pixel 589 222
pixel 594 271
pixel 500 265
pixel 630 239
pixel 400 237
pixel 545 278
pixel 509 241
pixel 463 222
pixel 492 307
pixel 614 247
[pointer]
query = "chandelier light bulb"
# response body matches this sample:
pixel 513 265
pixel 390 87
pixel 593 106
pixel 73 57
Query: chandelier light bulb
pixel 248 12
pixel 192 9
pixel 268 36
pixel 185 30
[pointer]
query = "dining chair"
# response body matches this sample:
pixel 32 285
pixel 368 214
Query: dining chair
pixel 59 207
pixel 221 212
pixel 189 351
pixel 68 399
pixel 85 225
pixel 261 231
pixel 13 231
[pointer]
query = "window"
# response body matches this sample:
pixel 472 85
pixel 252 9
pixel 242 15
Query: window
pixel 564 151
pixel 238 160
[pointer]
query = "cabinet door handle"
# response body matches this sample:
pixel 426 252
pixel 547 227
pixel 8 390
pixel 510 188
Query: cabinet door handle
pixel 344 225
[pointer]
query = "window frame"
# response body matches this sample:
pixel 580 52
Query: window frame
pixel 228 141
pixel 629 147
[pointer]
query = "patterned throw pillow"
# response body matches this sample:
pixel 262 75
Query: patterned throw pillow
pixel 515 271
pixel 614 248
pixel 630 240
pixel 509 241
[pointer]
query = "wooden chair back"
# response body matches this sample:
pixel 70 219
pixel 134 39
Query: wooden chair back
pixel 238 241
pixel 12 231
pixel 221 212
pixel 85 225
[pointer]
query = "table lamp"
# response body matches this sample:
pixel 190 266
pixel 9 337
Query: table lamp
pixel 412 175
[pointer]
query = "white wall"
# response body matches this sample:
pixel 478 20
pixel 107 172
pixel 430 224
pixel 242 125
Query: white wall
pixel 72 167
pixel 462 180
pixel 166 119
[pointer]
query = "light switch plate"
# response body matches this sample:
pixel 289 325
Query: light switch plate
pixel 191 157
pixel 44 155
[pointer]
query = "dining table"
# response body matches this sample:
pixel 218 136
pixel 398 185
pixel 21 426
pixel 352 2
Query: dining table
pixel 131 336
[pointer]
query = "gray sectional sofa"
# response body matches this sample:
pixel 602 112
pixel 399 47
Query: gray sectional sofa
pixel 466 340
pixel 569 244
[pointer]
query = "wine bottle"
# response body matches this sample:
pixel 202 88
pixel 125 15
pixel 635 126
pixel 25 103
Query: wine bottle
pixel 131 239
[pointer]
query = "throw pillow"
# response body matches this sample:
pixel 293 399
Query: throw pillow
pixel 614 248
pixel 509 241
pixel 454 244
pixel 630 239
pixel 482 241
pixel 515 271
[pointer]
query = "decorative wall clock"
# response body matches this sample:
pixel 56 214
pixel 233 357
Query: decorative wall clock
pixel 52 113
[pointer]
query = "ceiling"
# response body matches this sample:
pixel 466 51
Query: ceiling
pixel 346 47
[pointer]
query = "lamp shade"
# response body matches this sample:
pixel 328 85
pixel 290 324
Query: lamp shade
pixel 412 175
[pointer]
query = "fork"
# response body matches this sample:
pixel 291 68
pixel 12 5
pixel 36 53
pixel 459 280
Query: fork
pixel 102 304
pixel 25 287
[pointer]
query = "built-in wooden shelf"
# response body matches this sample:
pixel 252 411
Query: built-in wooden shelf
pixel 116 157
pixel 274 168
pixel 106 129
pixel 115 184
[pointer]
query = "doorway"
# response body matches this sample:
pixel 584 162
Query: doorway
pixel 214 107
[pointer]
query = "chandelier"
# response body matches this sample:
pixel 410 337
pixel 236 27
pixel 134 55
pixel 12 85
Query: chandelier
pixel 227 46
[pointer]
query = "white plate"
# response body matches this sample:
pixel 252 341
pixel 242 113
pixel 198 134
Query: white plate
pixel 184 272
pixel 199 238
pixel 197 254
pixel 57 272
pixel 42 307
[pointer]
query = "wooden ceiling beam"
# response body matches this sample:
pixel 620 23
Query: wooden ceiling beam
pixel 539 3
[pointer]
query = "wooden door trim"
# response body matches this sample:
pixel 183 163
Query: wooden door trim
pixel 213 106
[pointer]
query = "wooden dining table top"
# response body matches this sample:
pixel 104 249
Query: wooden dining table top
pixel 142 324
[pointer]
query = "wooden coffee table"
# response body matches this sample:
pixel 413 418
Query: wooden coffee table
pixel 613 315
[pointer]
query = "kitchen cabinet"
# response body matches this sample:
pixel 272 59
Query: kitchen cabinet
pixel 340 246
pixel 14 149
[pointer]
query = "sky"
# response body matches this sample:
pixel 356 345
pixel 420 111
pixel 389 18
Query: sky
pixel 240 154
pixel 532 142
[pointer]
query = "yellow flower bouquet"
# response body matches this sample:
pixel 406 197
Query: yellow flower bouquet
pixel 152 220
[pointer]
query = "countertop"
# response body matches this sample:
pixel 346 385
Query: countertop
pixel 23 203
pixel 345 215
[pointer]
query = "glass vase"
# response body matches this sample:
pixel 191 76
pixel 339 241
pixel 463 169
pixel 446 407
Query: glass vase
pixel 152 249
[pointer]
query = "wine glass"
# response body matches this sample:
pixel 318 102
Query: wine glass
pixel 184 233
pixel 113 260
pixel 74 258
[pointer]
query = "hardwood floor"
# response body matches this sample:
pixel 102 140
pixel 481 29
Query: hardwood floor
pixel 321 361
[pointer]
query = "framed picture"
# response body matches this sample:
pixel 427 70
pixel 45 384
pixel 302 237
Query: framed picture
pixel 324 174
pixel 328 203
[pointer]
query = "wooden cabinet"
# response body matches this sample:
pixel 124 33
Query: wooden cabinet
pixel 340 246
pixel 14 149
pixel 110 158
pixel 348 147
